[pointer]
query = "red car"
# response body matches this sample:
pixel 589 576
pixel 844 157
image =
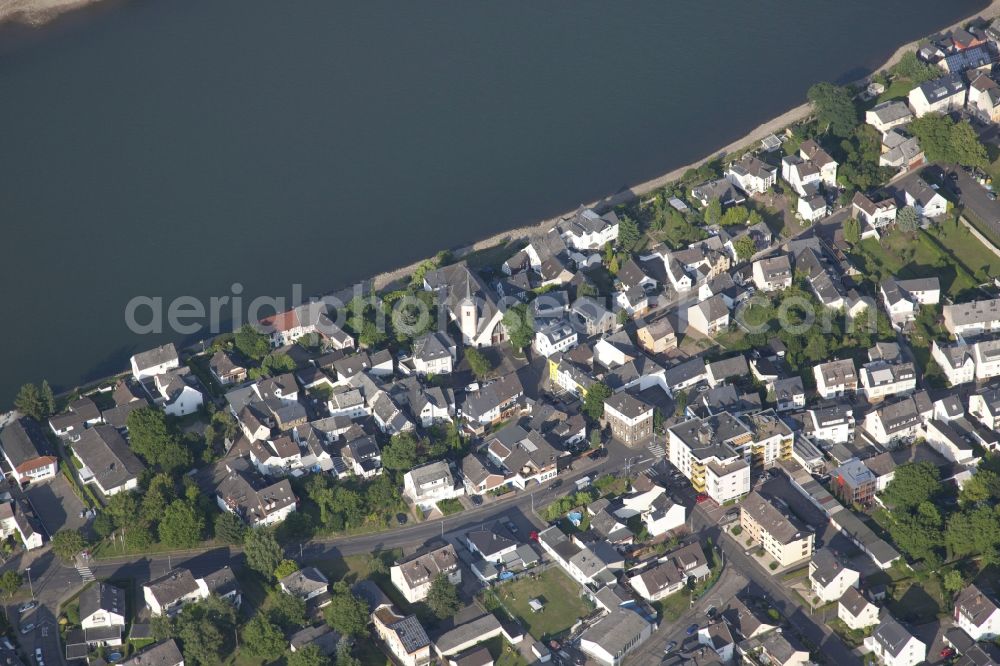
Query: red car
pixel 701 498
pixel 947 652
pixel 533 535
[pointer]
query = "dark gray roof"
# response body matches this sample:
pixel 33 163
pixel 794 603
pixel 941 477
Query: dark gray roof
pixel 891 635
pixel 23 440
pixel 101 596
pixel 154 357
pixel 162 654
pixel 104 451
pixel 173 585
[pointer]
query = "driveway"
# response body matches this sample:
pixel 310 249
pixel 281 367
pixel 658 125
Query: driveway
pixel 57 505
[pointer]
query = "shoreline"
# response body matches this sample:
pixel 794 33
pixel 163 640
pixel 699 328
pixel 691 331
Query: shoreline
pixel 772 126
pixel 36 13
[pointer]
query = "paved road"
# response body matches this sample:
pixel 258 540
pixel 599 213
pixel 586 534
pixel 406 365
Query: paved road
pixel 976 200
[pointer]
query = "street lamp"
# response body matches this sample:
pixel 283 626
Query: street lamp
pixel 30 586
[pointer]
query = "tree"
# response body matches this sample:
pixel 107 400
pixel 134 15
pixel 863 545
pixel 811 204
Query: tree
pixel 981 486
pixel 907 219
pixel 713 211
pixel 286 568
pixel 912 68
pixel 202 627
pixel 229 528
pixel 912 485
pixel 262 638
pixel 520 325
pixel 593 401
pixel 953 581
pixel 944 140
pixel 182 525
pixel 29 401
pixel 310 655
pixel 680 402
pixel 734 215
pixel 344 656
pixel 286 610
pixel 745 247
pixel 155 441
pixel 442 598
pixel 67 544
pixel 122 508
pixel 478 363
pixel 345 612
pixel 10 583
pixel 834 108
pixel 852 231
pixel 628 233
pixel 262 551
pixel 251 342
pixel 401 452
pixel 48 398
pixel 138 538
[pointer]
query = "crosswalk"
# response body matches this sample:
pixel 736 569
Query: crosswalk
pixel 85 573
pixel 656 449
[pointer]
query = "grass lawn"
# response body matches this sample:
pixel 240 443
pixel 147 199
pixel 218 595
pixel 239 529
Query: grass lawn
pixel 504 654
pixel 672 607
pixel 917 602
pixel 450 506
pixel 898 89
pixel 946 250
pixel 559 593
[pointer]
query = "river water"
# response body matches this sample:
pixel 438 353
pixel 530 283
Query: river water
pixel 164 148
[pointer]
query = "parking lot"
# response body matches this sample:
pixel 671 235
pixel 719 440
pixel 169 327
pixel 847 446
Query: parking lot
pixel 57 505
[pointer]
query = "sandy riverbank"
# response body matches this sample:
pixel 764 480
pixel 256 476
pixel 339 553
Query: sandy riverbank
pixel 38 12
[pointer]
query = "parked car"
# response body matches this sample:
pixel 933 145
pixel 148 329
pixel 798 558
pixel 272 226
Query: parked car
pixel 38 657
pixel 401 518
pixel 476 500
pixel 671 646
pixel 711 612
pixel 511 526
pixel 700 497
pixel 692 630
pixel 598 453
pixel 947 652
pixel 992 196
pixel 28 628
pixel 27 606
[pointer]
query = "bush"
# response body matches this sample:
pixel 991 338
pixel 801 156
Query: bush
pixel 772 566
pixel 737 530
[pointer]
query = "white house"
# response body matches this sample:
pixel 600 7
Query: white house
pixel 903 298
pixel 956 361
pixel 27 451
pixel 168 593
pixel 832 423
pixel 586 230
pixel 306 584
pixel 102 614
pixel 875 214
pixel 773 273
pixel 812 207
pixel 612 637
pixel 178 392
pixel 941 95
pixel 752 175
pixel 413 576
pixel 155 361
pixel 984 405
pixel 924 199
pixel 107 461
pixel 829 577
pixel 709 317
pixel 893 645
pixel 556 337
pixel 430 483
pixel 973 318
pixel 883 117
pixel 434 354
pixel 855 611
pixel 977 614
pixel 835 378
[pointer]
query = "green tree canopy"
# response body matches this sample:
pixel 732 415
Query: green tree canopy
pixel 286 610
pixel 593 402
pixel 30 402
pixel 745 247
pixel 346 613
pixel 628 233
pixel 262 551
pixel 182 525
pixel 251 342
pixel 834 108
pixel 262 638
pixel 912 68
pixel 912 485
pixel 944 140
pixel 478 363
pixel 155 441
pixel 310 655
pixel 10 583
pixel 520 325
pixel 442 598
pixel 401 452
pixel 907 219
pixel 286 568
pixel 67 544
pixel 229 528
pixel 852 231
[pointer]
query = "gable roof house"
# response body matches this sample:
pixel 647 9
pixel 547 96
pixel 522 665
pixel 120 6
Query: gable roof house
pixel 79 414
pixel 523 455
pixel 957 361
pixel 434 354
pixel 874 214
pixel 972 319
pixel 178 392
pixel 27 451
pixel 414 575
pixel 883 117
pixel 427 484
pixel 835 378
pixel 898 420
pixel 242 492
pixel 855 611
pixel 746 621
pixel 924 199
pixel 586 230
pixel 984 98
pixel 312 318
pixel 894 645
pixel 107 461
pixel 903 298
pixel 589 317
pixel 977 614
pixel 829 577
pixel 102 614
pixel 773 273
pixel 721 190
pixel 155 361
pixel 225 370
pixel 782 535
pixel 900 150
pixel 277 456
pixel 168 593
pixel 308 584
pixel 709 317
pixel 984 405
pixel 469 302
pixel 752 175
pixel 941 95
pixel 162 654
pixel 403 635
pixel 494 402
pixel 672 572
